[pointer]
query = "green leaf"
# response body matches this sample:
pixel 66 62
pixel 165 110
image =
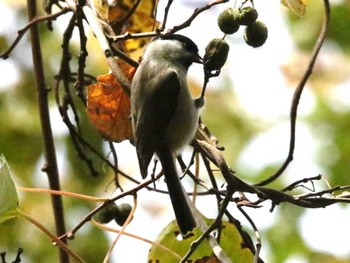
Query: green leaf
pixel 8 193
pixel 230 242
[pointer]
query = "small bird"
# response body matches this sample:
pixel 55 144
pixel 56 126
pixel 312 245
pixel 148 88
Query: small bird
pixel 164 115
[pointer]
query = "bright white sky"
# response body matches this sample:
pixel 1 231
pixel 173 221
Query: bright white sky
pixel 254 94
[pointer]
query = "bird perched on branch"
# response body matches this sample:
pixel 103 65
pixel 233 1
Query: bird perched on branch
pixel 164 115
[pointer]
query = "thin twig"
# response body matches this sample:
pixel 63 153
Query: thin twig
pixel 166 13
pixel 196 12
pixel 115 168
pixel 256 231
pixel 131 11
pixel 215 188
pixel 298 93
pixel 212 180
pixel 299 182
pixel 34 21
pixel 328 191
pixel 79 85
pixel 128 35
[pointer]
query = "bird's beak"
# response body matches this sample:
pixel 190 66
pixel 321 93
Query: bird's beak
pixel 198 59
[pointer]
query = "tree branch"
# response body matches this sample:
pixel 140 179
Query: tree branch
pixel 50 166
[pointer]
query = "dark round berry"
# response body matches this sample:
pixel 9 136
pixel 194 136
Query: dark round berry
pixel 122 214
pixel 255 34
pixel 106 214
pixel 247 16
pixel 227 21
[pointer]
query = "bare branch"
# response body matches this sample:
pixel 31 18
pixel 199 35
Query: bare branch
pixel 166 12
pixel 50 166
pixel 34 21
pixel 298 93
pixel 256 231
pixel 196 12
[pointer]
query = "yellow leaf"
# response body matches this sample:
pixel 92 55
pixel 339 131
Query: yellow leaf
pixel 130 16
pixel 298 7
pixel 171 250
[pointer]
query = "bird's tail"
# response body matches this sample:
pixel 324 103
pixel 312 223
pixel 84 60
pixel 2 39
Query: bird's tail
pixel 179 200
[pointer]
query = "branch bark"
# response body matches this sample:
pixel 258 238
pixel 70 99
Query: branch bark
pixel 50 166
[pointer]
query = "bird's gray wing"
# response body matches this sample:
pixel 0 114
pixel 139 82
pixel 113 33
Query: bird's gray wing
pixel 154 115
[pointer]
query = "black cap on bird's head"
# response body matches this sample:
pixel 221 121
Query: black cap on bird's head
pixel 186 42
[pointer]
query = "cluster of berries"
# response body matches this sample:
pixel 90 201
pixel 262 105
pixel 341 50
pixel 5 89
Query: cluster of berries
pixel 229 21
pixel 255 33
pixel 119 213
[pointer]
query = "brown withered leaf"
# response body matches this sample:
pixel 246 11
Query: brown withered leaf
pixel 108 108
pixel 207 259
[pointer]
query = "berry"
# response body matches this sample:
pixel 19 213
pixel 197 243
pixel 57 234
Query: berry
pixel 122 214
pixel 247 16
pixel 227 21
pixel 106 214
pixel 255 34
pixel 216 54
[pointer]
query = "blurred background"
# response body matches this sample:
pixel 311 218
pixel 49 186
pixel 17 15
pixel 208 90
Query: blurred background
pixel 247 109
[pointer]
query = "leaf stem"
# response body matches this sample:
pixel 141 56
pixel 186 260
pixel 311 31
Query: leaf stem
pixel 63 193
